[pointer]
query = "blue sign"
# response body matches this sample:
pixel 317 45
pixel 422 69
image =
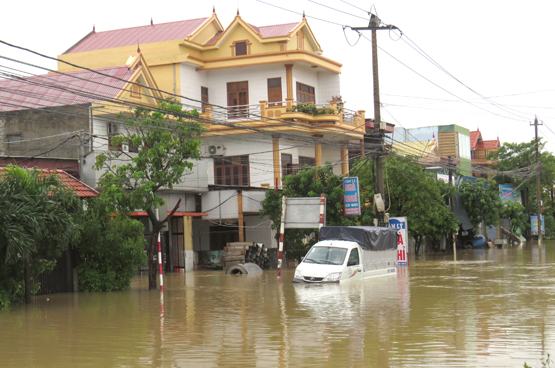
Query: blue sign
pixel 534 224
pixel 351 196
pixel 508 194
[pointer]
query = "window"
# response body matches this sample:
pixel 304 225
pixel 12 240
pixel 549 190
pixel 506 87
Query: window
pixel 241 48
pixel 112 130
pixel 306 162
pixel 326 255
pixel 135 91
pixel 274 91
pixel 287 164
pixel 238 99
pixel 204 97
pixel 305 93
pixel 353 258
pixel 232 170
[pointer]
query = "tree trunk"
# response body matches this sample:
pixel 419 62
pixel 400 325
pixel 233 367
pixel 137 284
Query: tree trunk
pixel 417 240
pixel 152 262
pixel 27 281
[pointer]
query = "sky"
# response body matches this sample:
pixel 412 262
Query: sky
pixel 500 54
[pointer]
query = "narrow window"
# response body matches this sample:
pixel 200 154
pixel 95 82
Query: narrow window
pixel 241 48
pixel 204 97
pixel 274 91
pixel 305 93
pixel 286 164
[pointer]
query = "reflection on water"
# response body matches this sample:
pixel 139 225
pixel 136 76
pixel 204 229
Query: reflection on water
pixel 491 309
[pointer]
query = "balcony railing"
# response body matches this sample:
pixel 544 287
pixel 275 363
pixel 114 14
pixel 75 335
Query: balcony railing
pixel 332 113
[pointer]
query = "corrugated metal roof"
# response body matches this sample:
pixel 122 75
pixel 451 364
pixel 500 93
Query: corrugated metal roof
pixel 80 189
pixel 276 30
pixel 50 90
pixel 137 35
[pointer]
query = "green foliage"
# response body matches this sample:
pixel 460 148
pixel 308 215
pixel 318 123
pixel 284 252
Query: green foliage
pixel 36 226
pixel 167 140
pixel 309 182
pixel 111 249
pixel 515 212
pixel 481 201
pixel 312 109
pixel 417 194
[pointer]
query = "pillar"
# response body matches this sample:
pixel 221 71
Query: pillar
pixel 276 160
pixel 240 217
pixel 289 80
pixel 318 152
pixel 344 160
pixel 188 243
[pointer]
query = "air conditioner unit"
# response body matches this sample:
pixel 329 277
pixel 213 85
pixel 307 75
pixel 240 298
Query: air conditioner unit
pixel 216 150
pixel 125 147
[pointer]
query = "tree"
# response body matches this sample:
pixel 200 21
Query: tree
pixel 36 226
pixel 481 201
pixel 167 140
pixel 420 197
pixel 110 248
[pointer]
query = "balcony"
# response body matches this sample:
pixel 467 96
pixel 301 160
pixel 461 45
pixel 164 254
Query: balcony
pixel 310 118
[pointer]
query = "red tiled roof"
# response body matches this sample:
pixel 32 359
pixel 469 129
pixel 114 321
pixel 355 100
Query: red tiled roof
pixel 50 90
pixel 489 145
pixel 137 35
pixel 80 189
pixel 474 136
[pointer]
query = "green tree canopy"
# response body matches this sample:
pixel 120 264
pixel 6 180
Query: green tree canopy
pixel 481 201
pixel 167 139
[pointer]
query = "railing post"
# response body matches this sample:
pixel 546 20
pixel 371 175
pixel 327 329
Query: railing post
pixel 263 107
pixel 361 124
pixel 289 104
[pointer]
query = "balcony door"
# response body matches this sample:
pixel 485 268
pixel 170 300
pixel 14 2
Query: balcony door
pixel 237 99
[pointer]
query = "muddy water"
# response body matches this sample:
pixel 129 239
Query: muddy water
pixel 494 308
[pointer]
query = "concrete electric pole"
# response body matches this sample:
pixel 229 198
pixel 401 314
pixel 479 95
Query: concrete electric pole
pixel 379 127
pixel 538 181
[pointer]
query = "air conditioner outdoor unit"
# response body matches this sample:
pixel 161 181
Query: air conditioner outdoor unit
pixel 216 150
pixel 125 148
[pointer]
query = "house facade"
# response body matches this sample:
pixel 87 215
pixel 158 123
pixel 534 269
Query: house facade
pixel 481 151
pixel 269 101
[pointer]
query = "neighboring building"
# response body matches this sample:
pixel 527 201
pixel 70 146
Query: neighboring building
pixel 481 152
pixel 453 143
pixel 250 84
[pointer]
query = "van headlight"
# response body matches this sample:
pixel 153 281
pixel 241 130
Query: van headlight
pixel 298 275
pixel 335 276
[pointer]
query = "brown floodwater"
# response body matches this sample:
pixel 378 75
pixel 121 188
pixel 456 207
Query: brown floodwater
pixel 493 308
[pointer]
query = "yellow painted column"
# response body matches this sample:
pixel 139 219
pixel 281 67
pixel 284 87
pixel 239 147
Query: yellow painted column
pixel 289 80
pixel 188 243
pixel 276 159
pixel 344 160
pixel 318 151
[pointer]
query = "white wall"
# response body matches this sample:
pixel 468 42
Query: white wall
pixel 191 81
pixel 331 153
pixel 328 86
pixel 259 230
pixel 257 77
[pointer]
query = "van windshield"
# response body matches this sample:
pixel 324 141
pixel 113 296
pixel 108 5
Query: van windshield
pixel 326 255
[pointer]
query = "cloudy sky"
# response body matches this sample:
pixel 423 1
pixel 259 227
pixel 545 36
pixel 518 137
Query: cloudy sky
pixel 499 54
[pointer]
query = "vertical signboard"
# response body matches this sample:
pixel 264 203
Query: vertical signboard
pixel 534 225
pixel 400 224
pixel 351 196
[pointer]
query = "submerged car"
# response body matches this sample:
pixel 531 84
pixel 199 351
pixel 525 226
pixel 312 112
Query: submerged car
pixel 349 253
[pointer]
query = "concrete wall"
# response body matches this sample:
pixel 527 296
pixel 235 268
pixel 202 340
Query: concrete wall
pixel 191 81
pixel 34 132
pixel 259 230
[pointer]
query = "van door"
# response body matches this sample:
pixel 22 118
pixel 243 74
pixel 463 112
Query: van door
pixel 354 270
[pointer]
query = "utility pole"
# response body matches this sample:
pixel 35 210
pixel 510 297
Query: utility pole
pixel 452 203
pixel 374 25
pixel 538 181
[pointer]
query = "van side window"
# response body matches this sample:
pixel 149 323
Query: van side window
pixel 353 258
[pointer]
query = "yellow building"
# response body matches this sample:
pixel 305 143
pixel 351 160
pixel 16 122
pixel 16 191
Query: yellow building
pixel 269 99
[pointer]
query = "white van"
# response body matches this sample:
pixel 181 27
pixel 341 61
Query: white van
pixel 349 253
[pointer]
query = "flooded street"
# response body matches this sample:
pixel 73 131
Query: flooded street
pixel 494 308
